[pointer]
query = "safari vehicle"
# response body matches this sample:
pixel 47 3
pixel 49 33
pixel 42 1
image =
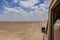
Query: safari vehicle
pixel 52 30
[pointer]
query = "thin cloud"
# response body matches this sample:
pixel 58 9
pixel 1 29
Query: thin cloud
pixel 25 11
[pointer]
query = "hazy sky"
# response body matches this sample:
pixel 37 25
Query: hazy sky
pixel 24 10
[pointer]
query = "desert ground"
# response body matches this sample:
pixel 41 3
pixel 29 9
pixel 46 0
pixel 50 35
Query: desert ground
pixel 21 30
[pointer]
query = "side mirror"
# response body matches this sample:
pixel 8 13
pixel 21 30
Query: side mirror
pixel 43 30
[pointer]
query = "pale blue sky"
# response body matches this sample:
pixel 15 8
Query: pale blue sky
pixel 24 10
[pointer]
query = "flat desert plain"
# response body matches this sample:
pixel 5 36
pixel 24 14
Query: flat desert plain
pixel 21 30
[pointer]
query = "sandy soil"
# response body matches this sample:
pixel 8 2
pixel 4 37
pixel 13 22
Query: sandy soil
pixel 21 30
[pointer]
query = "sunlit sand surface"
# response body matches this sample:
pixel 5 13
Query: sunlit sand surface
pixel 21 30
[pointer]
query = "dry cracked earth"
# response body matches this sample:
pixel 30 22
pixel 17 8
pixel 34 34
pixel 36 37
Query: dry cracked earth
pixel 21 30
